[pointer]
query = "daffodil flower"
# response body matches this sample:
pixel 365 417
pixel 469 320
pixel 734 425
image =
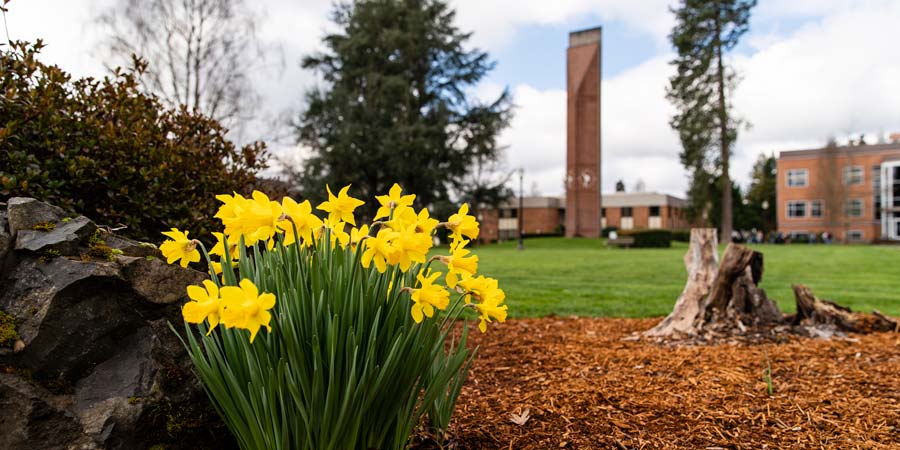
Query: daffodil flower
pixel 460 266
pixel 380 250
pixel 428 297
pixel 462 224
pixel 411 246
pixel 246 308
pixel 205 305
pixel 393 200
pixel 300 214
pixel 179 247
pixel 340 208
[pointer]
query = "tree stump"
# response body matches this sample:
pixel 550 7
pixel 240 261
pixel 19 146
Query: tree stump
pixel 828 317
pixel 719 297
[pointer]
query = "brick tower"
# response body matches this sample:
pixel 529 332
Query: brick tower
pixel 583 133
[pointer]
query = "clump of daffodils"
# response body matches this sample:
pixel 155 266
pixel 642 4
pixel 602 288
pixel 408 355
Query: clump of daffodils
pixel 398 241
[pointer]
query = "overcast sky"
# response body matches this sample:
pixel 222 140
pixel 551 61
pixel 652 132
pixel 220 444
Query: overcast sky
pixel 810 69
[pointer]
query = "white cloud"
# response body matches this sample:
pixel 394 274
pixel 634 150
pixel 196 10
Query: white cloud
pixel 495 23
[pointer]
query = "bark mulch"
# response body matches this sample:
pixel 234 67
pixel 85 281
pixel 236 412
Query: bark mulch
pixel 581 384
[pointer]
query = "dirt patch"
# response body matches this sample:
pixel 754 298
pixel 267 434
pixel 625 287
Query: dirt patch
pixel 575 383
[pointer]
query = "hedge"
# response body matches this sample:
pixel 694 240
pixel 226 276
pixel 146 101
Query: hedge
pixel 648 238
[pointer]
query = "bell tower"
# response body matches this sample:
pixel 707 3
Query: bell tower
pixel 583 133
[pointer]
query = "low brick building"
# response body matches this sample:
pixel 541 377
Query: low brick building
pixel 851 192
pixel 643 210
pixel 546 216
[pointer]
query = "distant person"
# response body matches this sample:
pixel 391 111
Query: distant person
pixel 826 237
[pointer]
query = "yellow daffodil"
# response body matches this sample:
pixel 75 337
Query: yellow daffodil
pixel 246 308
pixel 179 247
pixel 300 214
pixel 462 224
pixel 231 206
pixel 357 235
pixel 483 288
pixel 490 299
pixel 428 296
pixel 254 219
pixel 205 305
pixel 411 246
pixel 338 233
pixel 459 265
pixel 403 217
pixel 219 248
pixel 380 249
pixel 490 309
pixel 424 222
pixel 393 200
pixel 340 208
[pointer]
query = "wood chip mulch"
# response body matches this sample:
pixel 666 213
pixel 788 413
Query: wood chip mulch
pixel 582 384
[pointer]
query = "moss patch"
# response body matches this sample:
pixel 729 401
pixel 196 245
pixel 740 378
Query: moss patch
pixel 44 226
pixel 8 335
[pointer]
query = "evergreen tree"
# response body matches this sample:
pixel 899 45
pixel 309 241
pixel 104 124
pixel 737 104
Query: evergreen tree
pixel 761 196
pixel 620 186
pixel 700 90
pixel 396 106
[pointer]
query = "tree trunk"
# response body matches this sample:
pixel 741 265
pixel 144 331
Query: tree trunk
pixel 723 299
pixel 727 210
pixel 828 317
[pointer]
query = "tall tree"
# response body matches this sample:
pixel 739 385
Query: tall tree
pixel 200 53
pixel 761 196
pixel 395 106
pixel 705 30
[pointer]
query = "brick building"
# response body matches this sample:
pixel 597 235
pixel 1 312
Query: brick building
pixel 643 210
pixel 547 215
pixel 851 192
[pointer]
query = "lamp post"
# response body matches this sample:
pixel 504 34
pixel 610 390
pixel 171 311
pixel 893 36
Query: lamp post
pixel 521 208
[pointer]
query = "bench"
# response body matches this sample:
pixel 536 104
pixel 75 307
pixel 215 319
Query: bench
pixel 623 242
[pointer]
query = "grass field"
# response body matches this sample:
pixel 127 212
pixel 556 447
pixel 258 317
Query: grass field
pixel 583 277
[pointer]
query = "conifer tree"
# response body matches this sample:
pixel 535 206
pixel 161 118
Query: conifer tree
pixel 396 105
pixel 705 30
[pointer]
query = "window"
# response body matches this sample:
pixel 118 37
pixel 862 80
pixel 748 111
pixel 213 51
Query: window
pixel 508 213
pixel 853 175
pixel 654 211
pixel 602 212
pixel 796 209
pixel 876 185
pixel 815 208
pixel 854 208
pixel 797 177
pixel 854 236
pixel 626 211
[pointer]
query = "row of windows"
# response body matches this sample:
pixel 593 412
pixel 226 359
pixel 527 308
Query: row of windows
pixel 798 209
pixel 852 175
pixel 628 211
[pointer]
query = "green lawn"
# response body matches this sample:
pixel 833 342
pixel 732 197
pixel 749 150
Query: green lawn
pixel 582 277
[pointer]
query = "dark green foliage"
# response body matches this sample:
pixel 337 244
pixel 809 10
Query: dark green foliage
pixel 681 235
pixel 648 238
pixel 700 90
pixel 108 151
pixel 761 196
pixel 395 107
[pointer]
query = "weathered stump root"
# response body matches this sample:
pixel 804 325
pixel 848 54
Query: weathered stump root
pixel 825 314
pixel 719 298
pixel 725 300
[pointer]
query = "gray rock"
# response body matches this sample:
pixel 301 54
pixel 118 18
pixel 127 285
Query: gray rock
pixel 5 237
pixel 131 247
pixel 66 238
pixel 157 281
pixel 104 368
pixel 25 212
pixel 32 418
